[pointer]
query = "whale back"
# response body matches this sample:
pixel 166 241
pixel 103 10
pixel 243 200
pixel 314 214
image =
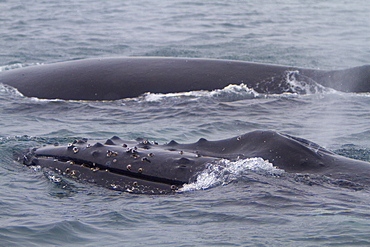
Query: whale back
pixel 118 78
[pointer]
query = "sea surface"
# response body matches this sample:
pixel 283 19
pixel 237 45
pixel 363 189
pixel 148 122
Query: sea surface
pixel 245 207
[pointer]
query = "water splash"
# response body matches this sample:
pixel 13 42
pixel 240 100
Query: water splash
pixel 301 84
pixel 225 171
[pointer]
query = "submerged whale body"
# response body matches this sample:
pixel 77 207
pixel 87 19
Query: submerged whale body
pixel 118 78
pixel 146 167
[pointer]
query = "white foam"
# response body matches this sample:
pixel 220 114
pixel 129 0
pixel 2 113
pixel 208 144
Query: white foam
pixel 53 178
pixel 231 92
pixel 305 86
pixel 235 92
pixel 225 171
pixel 153 97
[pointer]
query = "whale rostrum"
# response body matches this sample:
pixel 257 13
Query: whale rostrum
pixel 144 166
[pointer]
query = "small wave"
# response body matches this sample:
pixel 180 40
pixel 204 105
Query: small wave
pixel 225 171
pixel 8 90
pixel 17 66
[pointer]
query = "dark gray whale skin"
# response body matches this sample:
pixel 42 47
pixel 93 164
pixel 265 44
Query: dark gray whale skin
pixel 146 167
pixel 118 78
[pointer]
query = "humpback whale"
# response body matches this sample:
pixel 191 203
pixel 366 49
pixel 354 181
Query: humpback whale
pixel 118 78
pixel 143 166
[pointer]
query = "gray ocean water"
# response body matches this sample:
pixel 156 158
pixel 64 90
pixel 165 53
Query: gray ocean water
pixel 247 209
